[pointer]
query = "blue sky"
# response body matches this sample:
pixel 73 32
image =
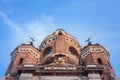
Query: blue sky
pixel 99 19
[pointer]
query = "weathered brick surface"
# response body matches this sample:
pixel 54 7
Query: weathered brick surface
pixel 93 57
pixel 60 47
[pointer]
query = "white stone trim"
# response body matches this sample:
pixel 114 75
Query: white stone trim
pixel 95 50
pixel 95 76
pixel 47 42
pixel 86 53
pixel 26 50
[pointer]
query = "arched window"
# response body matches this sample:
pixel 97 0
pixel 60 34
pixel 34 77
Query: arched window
pixel 47 51
pixel 21 61
pixel 60 33
pixel 73 51
pixel 99 61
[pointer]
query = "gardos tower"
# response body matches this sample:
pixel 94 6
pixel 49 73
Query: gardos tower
pixel 60 57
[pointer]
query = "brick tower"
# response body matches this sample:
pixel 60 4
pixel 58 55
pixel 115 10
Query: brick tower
pixel 98 55
pixel 60 57
pixel 24 54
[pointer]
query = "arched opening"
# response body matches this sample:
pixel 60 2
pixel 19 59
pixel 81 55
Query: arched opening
pixel 99 61
pixel 73 51
pixel 21 61
pixel 60 33
pixel 47 51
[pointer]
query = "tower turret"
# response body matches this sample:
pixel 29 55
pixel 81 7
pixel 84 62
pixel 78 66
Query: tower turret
pixel 23 55
pixel 98 55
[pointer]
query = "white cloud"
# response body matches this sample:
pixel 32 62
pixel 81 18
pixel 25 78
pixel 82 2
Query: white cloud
pixel 38 29
pixel 9 22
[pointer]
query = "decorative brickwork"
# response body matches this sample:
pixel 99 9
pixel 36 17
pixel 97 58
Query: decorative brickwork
pixel 60 57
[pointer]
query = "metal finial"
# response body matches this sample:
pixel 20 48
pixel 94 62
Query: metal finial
pixel 88 40
pixel 32 40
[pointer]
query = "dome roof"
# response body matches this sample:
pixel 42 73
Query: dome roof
pixel 59 32
pixel 60 43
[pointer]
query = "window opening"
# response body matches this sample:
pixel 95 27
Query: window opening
pixel 21 61
pixel 73 51
pixel 99 61
pixel 47 51
pixel 60 33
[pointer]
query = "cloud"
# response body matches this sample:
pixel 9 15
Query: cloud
pixel 9 22
pixel 38 28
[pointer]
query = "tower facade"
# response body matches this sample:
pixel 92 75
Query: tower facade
pixel 98 55
pixel 60 57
